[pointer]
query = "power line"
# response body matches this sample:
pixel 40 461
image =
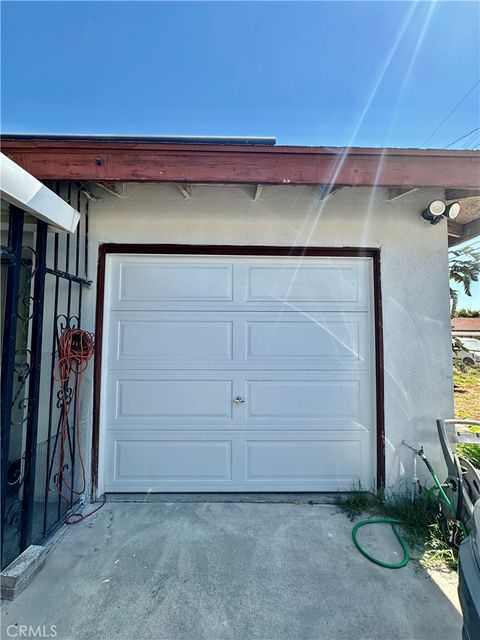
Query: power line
pixel 465 136
pixel 452 111
pixel 471 140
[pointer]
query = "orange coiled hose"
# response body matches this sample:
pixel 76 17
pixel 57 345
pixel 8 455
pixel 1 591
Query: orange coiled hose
pixel 75 348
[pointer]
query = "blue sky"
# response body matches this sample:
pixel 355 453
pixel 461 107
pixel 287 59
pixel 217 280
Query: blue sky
pixel 304 72
pixel 314 73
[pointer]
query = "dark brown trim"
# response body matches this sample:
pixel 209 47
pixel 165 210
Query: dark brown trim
pixel 242 250
pixel 235 250
pixel 104 161
pixel 97 370
pixel 379 368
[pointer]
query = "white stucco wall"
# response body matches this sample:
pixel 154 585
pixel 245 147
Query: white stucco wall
pixel 414 275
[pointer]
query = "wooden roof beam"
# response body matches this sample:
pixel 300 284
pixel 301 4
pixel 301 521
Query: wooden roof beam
pixel 97 161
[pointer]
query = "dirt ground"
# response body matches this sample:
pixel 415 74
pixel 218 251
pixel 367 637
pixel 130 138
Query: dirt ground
pixel 467 394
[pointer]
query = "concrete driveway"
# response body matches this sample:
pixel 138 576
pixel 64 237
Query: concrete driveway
pixel 171 571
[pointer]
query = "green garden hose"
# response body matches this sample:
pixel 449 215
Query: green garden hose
pixel 388 565
pixel 446 498
pixel 393 522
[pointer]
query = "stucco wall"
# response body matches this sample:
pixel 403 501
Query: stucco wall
pixel 414 275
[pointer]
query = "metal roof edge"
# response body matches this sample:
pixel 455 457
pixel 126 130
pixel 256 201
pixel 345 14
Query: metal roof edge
pixel 107 137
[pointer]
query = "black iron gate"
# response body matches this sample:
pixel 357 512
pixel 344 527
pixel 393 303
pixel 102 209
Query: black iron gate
pixel 42 276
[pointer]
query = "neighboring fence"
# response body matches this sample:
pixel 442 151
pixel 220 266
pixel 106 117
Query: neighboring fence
pixel 43 274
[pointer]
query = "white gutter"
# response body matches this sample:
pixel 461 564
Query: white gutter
pixel 20 188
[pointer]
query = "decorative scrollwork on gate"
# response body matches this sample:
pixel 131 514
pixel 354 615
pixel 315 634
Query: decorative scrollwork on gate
pixel 65 398
pixel 27 309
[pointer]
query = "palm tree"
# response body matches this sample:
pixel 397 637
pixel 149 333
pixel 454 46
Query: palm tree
pixel 464 266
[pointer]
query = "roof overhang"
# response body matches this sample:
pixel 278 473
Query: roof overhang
pixel 25 191
pixel 101 160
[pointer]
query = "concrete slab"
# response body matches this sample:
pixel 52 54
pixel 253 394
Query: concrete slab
pixel 21 571
pixel 179 571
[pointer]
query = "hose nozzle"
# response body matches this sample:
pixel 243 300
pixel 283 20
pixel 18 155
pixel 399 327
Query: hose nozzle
pixel 415 447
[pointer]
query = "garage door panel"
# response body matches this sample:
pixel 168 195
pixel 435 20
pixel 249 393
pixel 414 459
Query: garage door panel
pixel 188 342
pixel 206 340
pixel 234 461
pixel 306 338
pixel 155 401
pixel 171 459
pixel 330 458
pixel 277 400
pixel 238 284
pixel 302 399
pixel 150 283
pixel 330 284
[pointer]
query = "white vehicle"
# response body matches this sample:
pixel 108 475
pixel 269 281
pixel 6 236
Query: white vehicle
pixel 472 345
pixel 464 355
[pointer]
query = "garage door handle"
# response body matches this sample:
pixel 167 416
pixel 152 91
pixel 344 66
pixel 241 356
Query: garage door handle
pixel 239 400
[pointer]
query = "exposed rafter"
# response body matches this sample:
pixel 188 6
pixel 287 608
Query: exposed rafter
pixel 395 193
pixel 455 230
pixel 461 194
pixel 258 192
pixel 185 190
pixel 325 192
pixel 89 195
pixel 114 188
pixel 458 233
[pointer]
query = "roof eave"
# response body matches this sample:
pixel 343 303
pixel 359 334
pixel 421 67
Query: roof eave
pixel 151 161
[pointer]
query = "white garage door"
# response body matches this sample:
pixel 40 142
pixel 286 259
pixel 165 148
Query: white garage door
pixel 237 374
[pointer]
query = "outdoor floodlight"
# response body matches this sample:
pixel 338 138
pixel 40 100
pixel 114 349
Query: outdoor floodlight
pixel 452 210
pixel 437 209
pixel 434 212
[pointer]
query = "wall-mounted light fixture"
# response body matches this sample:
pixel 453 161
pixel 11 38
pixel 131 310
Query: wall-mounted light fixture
pixel 437 209
pixel 452 210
